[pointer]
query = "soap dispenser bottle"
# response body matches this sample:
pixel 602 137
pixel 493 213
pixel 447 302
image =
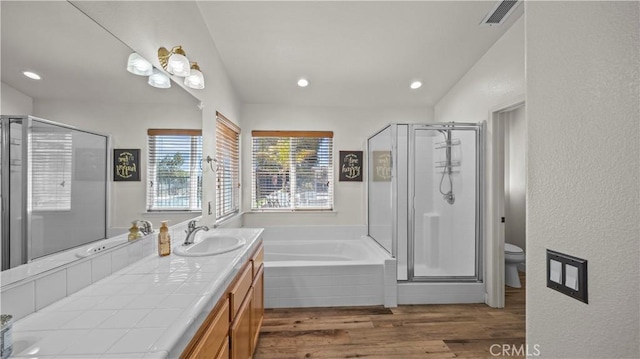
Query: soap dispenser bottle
pixel 164 240
pixel 134 233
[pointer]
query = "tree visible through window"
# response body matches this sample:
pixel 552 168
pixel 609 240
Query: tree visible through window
pixel 174 170
pixel 292 170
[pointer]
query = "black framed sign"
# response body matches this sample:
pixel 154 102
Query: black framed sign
pixel 126 164
pixel 351 166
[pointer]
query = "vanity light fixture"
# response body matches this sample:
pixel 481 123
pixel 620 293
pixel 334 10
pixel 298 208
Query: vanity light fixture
pixel 138 65
pixel 303 82
pixel 415 85
pixel 195 80
pixel 159 80
pixel 175 61
pixel 32 75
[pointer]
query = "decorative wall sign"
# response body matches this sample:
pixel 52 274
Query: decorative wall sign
pixel 381 166
pixel 351 166
pixel 126 164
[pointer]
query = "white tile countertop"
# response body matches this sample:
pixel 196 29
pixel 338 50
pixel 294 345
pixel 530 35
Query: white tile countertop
pixel 150 309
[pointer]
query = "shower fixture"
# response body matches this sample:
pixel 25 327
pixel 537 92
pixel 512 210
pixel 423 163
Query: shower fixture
pixel 447 165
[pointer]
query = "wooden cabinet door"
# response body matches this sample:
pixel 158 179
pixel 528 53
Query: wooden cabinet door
pixel 257 311
pixel 224 351
pixel 241 339
pixel 209 343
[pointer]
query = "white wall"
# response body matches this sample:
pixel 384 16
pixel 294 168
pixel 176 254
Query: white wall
pixel 127 125
pixel 583 78
pixel 497 78
pixel 14 102
pixel 351 128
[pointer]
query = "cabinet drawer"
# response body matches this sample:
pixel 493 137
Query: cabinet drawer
pixel 240 289
pixel 257 259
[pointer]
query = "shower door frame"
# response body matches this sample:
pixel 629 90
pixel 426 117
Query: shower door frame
pixel 479 129
pixel 393 142
pixel 5 172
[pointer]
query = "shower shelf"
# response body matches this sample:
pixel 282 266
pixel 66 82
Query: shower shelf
pixel 445 164
pixel 453 142
pixel 445 171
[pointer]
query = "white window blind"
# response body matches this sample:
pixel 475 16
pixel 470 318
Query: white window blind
pixel 292 170
pixel 174 170
pixel 50 159
pixel 227 167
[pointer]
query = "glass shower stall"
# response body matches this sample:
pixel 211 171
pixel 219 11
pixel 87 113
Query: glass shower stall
pixel 54 188
pixel 424 200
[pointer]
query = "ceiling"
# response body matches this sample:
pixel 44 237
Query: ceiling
pixel 77 59
pixel 353 53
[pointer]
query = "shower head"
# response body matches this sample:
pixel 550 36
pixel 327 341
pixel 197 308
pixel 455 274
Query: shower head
pixel 449 197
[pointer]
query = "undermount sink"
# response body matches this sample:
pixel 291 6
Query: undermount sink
pixel 210 245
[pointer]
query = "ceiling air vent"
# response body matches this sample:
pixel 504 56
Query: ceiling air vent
pixel 500 12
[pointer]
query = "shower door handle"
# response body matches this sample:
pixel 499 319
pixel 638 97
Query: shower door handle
pixel 502 219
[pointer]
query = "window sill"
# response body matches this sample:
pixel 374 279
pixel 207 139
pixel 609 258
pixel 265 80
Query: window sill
pixel 222 221
pixel 327 212
pixel 175 211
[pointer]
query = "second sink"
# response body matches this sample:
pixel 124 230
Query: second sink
pixel 211 245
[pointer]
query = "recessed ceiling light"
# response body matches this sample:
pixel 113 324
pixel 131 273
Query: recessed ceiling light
pixel 303 82
pixel 415 85
pixel 31 75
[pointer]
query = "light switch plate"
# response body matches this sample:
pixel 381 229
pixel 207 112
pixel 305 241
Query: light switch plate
pixel 567 274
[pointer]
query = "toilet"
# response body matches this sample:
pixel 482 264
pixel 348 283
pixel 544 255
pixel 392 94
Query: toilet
pixel 513 255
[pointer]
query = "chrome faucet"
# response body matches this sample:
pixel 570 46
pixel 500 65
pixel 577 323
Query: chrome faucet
pixel 191 232
pixel 146 228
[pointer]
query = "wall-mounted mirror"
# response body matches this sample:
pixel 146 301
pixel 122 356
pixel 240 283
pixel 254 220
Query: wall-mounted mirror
pixel 84 83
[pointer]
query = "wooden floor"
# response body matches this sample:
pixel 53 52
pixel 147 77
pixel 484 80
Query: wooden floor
pixel 408 331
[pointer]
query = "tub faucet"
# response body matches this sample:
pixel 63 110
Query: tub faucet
pixel 191 232
pixel 146 228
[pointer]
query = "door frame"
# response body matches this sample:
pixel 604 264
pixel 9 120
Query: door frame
pixel 494 201
pixel 479 130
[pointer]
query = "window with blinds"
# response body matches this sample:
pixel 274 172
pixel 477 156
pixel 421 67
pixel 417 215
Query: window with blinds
pixel 292 170
pixel 228 167
pixel 50 156
pixel 174 170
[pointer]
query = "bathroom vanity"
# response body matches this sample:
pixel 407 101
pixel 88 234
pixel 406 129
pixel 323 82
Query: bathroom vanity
pixel 156 307
pixel 232 328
